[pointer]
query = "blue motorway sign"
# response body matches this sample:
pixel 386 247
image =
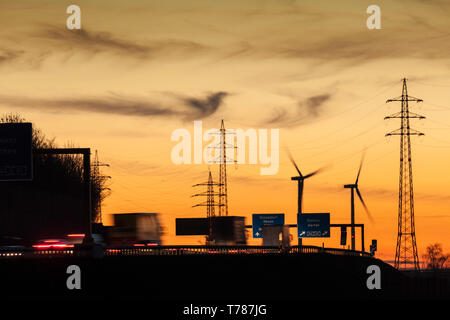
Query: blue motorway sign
pixel 313 225
pixel 15 152
pixel 265 219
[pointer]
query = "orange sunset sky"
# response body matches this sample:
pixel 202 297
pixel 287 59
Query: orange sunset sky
pixel 138 70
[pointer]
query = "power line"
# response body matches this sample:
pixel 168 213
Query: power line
pixel 431 84
pixel 338 143
pixel 384 90
pixel 330 133
pixel 368 162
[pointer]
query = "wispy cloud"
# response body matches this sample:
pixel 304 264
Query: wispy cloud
pixel 414 29
pixel 187 108
pixel 431 196
pixel 8 55
pixel 433 216
pixel 304 111
pixel 204 107
pixel 429 42
pixel 95 42
pixel 422 196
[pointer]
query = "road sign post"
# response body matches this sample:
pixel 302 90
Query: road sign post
pixel 343 235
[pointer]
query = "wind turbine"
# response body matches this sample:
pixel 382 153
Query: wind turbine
pixel 354 187
pixel 300 179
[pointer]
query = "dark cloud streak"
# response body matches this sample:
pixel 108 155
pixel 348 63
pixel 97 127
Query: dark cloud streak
pixel 188 108
pixel 207 106
pixel 305 111
pixel 94 42
pixel 7 55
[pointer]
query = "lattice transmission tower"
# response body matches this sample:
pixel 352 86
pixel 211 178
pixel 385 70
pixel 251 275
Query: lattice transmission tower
pixel 223 160
pixel 406 249
pixel 210 203
pixel 95 176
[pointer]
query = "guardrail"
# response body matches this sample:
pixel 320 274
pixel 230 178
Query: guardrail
pixel 83 251
pixel 35 253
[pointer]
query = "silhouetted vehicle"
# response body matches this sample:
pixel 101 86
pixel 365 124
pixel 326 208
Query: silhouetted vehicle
pixel 47 244
pixel 135 229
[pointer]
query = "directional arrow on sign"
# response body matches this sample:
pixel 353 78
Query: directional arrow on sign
pixel 265 219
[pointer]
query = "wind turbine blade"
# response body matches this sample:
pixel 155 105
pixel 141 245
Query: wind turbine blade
pixel 293 162
pixel 313 173
pixel 364 205
pixel 360 166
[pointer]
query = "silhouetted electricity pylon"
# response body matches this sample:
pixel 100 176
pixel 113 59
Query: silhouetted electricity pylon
pixel 96 176
pixel 210 203
pixel 406 250
pixel 223 160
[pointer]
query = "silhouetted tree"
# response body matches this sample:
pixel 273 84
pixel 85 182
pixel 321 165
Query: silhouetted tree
pixel 434 257
pixel 57 185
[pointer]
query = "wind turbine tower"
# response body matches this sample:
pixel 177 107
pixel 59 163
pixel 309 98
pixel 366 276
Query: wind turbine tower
pixel 300 180
pixel 354 188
